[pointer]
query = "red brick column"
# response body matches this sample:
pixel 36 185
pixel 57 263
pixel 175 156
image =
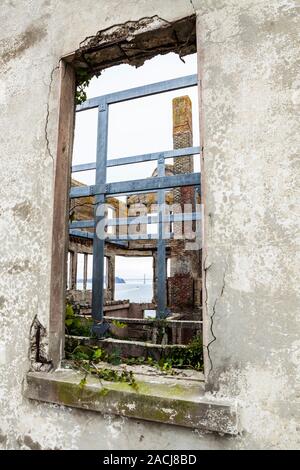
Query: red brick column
pixel 183 137
pixel 183 262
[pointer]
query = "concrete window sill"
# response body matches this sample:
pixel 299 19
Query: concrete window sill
pixel 159 399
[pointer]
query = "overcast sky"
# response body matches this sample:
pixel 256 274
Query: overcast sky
pixel 135 127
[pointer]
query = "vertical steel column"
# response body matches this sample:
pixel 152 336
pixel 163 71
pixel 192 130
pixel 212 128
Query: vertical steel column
pixel 98 243
pixel 85 267
pixel 70 270
pixel 74 271
pixel 161 247
pixel 154 277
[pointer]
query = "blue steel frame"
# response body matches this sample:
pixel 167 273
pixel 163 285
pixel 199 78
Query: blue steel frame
pixel 101 189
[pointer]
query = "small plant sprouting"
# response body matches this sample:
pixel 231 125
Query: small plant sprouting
pixel 82 383
pixel 75 325
pixel 119 324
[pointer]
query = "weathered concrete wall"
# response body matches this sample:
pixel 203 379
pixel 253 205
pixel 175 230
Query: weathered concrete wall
pixel 249 51
pixel 250 158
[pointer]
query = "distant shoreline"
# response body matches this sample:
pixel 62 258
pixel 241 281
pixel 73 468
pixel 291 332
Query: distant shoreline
pixel 123 281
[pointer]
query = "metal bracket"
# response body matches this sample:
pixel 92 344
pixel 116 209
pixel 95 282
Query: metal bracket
pixel 102 107
pixel 161 159
pixel 100 329
pixel 100 189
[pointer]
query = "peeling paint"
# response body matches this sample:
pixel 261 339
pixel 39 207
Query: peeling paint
pixel 22 210
pixel 12 50
pixel 29 443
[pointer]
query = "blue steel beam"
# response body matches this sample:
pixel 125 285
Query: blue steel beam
pixel 138 236
pixel 143 219
pixel 81 233
pixel 98 243
pixel 134 186
pixel 90 236
pixel 122 239
pixel 140 92
pixel 139 158
pixel 82 224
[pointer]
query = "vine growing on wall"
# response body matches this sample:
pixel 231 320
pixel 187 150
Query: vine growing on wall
pixel 90 359
pixel 83 79
pixel 87 360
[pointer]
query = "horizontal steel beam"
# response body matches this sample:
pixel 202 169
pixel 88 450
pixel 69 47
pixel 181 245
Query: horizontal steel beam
pixel 83 167
pixel 139 236
pixel 83 191
pixel 153 156
pixel 145 219
pixel 122 239
pixel 82 224
pixel 177 153
pixel 81 233
pixel 153 219
pixel 146 236
pixel 140 92
pixel 162 182
pixel 185 217
pixel 151 321
pixel 89 235
pixel 135 186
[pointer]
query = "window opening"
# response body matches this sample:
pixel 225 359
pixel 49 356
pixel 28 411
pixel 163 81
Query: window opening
pixel 136 200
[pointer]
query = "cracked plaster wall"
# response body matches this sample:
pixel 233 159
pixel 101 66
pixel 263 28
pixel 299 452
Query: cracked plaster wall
pixel 249 50
pixel 251 139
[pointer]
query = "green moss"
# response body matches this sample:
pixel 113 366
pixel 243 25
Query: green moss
pixel 151 402
pixel 65 393
pixel 103 392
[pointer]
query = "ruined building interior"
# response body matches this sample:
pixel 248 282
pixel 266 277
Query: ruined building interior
pixel 172 318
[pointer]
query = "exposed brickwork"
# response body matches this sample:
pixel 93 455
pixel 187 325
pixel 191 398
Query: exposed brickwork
pixel 181 291
pixel 184 264
pixel 183 137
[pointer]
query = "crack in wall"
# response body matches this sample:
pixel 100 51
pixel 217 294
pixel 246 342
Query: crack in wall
pixel 212 318
pixel 191 2
pixel 205 286
pixel 48 113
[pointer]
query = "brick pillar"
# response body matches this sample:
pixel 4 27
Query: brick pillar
pixel 183 137
pixel 73 270
pixel 181 282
